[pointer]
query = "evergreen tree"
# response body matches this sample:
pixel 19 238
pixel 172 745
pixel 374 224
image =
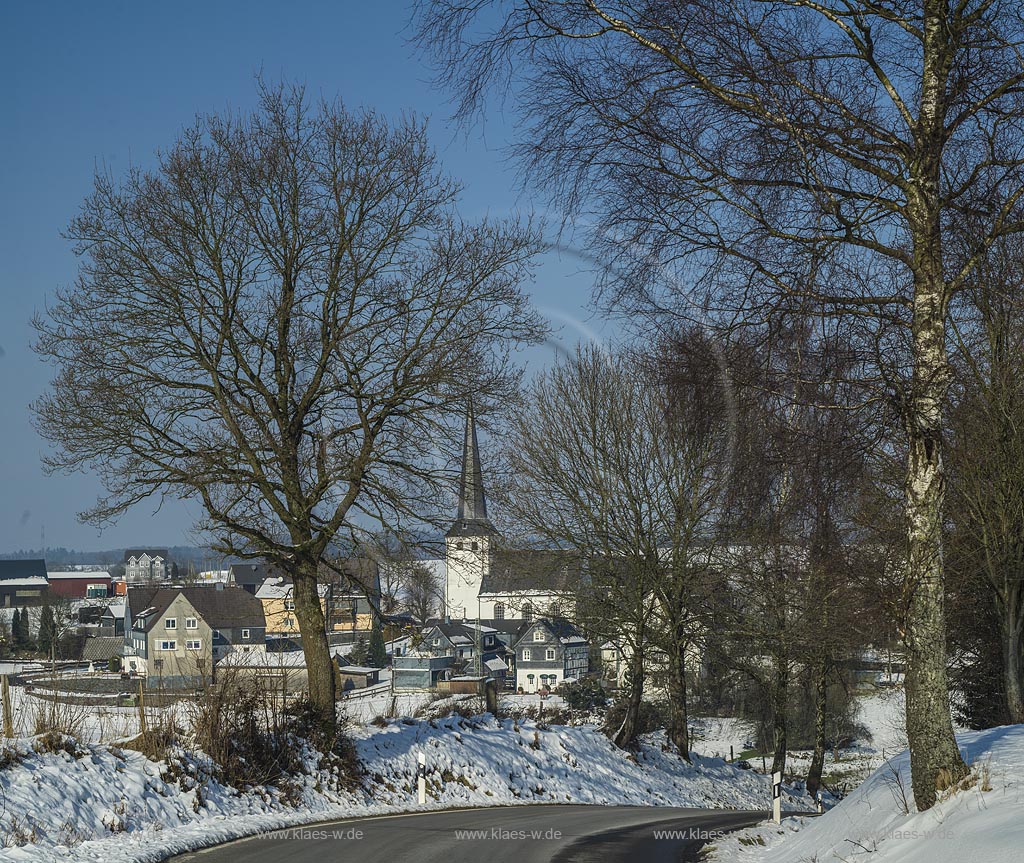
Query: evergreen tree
pixel 16 638
pixel 47 630
pixel 378 653
pixel 359 654
pixel 25 634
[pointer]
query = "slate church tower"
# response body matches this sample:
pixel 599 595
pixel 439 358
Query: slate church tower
pixel 469 543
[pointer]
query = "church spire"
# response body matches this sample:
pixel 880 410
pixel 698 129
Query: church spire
pixel 472 515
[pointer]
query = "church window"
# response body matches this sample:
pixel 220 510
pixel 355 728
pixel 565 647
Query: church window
pixel 527 611
pixel 499 611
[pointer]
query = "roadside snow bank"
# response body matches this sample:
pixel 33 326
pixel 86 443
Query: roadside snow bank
pixel 879 823
pixel 64 800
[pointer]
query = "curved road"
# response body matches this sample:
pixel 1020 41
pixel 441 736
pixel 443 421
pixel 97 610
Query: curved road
pixel 518 834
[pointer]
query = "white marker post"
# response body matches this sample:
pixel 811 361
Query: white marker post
pixel 421 779
pixel 777 798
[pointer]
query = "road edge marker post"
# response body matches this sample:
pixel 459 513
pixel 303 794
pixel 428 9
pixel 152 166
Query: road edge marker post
pixel 421 779
pixel 777 797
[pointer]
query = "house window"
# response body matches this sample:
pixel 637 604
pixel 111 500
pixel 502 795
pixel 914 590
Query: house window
pixel 526 654
pixel 475 546
pixel 550 654
pixel 437 642
pixel 171 623
pixel 289 605
pixel 193 644
pixel 169 644
pixel 527 611
pixel 288 623
pixel 245 635
pixel 458 546
pixel 191 623
pixel 499 611
pixel 538 635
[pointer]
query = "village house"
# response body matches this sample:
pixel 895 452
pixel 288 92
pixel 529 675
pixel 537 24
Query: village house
pixel 548 653
pixel 176 636
pixel 23 583
pixel 147 564
pixel 276 594
pixel 80 584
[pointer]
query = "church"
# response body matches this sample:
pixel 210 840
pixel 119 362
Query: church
pixel 484 578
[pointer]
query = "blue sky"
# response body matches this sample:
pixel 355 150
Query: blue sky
pixel 110 83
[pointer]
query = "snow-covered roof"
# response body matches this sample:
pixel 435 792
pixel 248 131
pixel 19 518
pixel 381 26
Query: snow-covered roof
pixel 31 581
pixel 89 573
pixel 116 609
pixel 356 669
pixel 282 588
pixel 495 665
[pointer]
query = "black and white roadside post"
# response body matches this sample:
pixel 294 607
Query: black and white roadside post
pixel 777 798
pixel 820 805
pixel 421 779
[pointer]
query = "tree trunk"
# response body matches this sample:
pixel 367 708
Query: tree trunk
pixel 780 706
pixel 1013 645
pixel 679 732
pixel 630 722
pixel 935 761
pixel 319 667
pixel 820 703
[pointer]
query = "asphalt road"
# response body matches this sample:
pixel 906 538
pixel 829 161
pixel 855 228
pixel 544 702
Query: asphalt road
pixel 519 834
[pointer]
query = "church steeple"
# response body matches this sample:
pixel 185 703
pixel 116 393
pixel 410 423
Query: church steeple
pixel 472 516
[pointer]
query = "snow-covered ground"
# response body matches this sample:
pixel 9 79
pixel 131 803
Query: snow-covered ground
pixel 879 822
pixel 95 802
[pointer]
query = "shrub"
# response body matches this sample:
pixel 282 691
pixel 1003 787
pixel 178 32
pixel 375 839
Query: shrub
pixel 651 718
pixel 584 694
pixel 254 739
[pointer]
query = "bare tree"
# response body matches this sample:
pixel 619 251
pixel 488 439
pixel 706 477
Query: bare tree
pixel 279 320
pixel 987 463
pixel 612 464
pixel 773 147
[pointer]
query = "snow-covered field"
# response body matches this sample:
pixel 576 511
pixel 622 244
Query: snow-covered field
pixel 94 802
pixel 879 823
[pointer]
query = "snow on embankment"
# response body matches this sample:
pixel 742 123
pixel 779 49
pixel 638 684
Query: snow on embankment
pixel 62 800
pixel 982 821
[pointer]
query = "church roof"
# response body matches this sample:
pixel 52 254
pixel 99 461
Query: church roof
pixel 513 570
pixel 472 515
